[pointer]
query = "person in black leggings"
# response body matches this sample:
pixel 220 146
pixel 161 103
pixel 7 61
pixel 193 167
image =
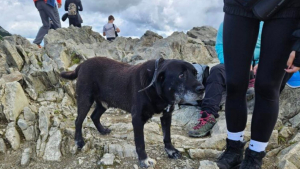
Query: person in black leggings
pixel 239 35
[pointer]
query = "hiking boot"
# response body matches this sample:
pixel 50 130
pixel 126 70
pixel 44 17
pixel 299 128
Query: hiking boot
pixel 253 160
pixel 232 156
pixel 204 125
pixel 250 92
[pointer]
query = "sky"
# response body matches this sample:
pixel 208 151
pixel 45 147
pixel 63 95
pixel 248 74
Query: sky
pixel 133 17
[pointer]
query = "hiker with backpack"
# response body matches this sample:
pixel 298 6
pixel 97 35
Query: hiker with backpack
pixel 73 7
pixel 47 9
pixel 110 30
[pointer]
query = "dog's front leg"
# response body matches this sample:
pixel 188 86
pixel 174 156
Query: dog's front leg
pixel 138 128
pixel 166 120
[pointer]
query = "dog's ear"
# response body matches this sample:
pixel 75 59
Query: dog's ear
pixel 205 75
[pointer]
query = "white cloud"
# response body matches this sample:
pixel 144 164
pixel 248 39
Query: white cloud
pixel 133 17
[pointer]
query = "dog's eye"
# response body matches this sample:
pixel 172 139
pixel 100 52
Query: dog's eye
pixel 181 76
pixel 195 72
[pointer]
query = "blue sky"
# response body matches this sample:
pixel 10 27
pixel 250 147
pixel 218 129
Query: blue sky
pixel 133 17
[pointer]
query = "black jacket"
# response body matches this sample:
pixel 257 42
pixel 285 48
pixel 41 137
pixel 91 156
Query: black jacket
pixel 291 10
pixel 77 2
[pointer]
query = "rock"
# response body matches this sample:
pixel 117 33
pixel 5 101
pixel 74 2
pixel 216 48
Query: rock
pixel 208 165
pixel 29 115
pixel 44 122
pixel 52 150
pixel 149 38
pixel 29 131
pixel 186 116
pixel 13 57
pixel 14 100
pixel 26 155
pixel 22 124
pixel 215 142
pixel 203 153
pixel 289 105
pixel 287 165
pixel 295 121
pixel 206 33
pixel 12 136
pixel 13 77
pixel 107 159
pixel 2 146
pixel 180 141
pixel 273 142
pixel 135 166
pixel 220 127
pixel 295 139
pixel 52 96
pixel 68 106
pixel 287 132
pixel 289 156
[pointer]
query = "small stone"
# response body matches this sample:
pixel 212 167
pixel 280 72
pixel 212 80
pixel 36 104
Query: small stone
pixel 203 153
pixel 52 150
pixel 135 166
pixel 26 157
pixel 107 159
pixel 28 114
pixel 208 165
pixel 12 136
pixel 295 121
pixel 22 124
pixel 2 146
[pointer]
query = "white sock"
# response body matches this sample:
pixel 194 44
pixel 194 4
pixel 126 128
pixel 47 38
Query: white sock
pixel 257 146
pixel 239 136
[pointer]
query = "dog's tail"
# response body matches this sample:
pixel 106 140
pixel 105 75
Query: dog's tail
pixel 71 75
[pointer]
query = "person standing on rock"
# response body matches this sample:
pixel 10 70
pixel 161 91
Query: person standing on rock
pixel 110 30
pixel 73 7
pixel 47 9
pixel 215 88
pixel 280 53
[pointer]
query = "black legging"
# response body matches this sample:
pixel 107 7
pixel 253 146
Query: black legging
pixel 240 36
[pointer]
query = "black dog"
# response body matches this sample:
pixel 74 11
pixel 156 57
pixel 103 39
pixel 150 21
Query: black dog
pixel 109 83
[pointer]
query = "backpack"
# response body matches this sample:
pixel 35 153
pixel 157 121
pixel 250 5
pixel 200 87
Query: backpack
pixel 72 10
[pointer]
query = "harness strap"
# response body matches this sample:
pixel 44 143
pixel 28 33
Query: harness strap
pixel 154 76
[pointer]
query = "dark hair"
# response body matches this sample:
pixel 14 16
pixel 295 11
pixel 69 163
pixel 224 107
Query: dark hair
pixel 111 18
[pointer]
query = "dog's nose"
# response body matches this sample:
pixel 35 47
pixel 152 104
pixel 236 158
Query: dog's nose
pixel 199 89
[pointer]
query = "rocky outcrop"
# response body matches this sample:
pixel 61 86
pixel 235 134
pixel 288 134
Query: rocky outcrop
pixel 38 108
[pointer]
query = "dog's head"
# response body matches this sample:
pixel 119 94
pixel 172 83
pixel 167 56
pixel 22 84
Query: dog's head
pixel 176 82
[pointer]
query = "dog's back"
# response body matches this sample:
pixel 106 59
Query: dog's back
pixel 102 78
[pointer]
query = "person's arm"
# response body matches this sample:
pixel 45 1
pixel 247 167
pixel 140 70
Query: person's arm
pixel 66 5
pixel 293 62
pixel 59 3
pixel 104 34
pixel 80 6
pixel 118 30
pixel 219 44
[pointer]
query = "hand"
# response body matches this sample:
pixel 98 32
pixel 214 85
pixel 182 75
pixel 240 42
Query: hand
pixel 59 5
pixel 291 68
pixel 255 69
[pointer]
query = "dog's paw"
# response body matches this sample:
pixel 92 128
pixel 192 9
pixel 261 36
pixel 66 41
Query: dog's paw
pixel 105 131
pixel 148 162
pixel 80 144
pixel 173 153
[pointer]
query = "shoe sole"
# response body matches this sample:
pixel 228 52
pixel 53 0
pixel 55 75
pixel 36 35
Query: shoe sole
pixel 236 167
pixel 200 135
